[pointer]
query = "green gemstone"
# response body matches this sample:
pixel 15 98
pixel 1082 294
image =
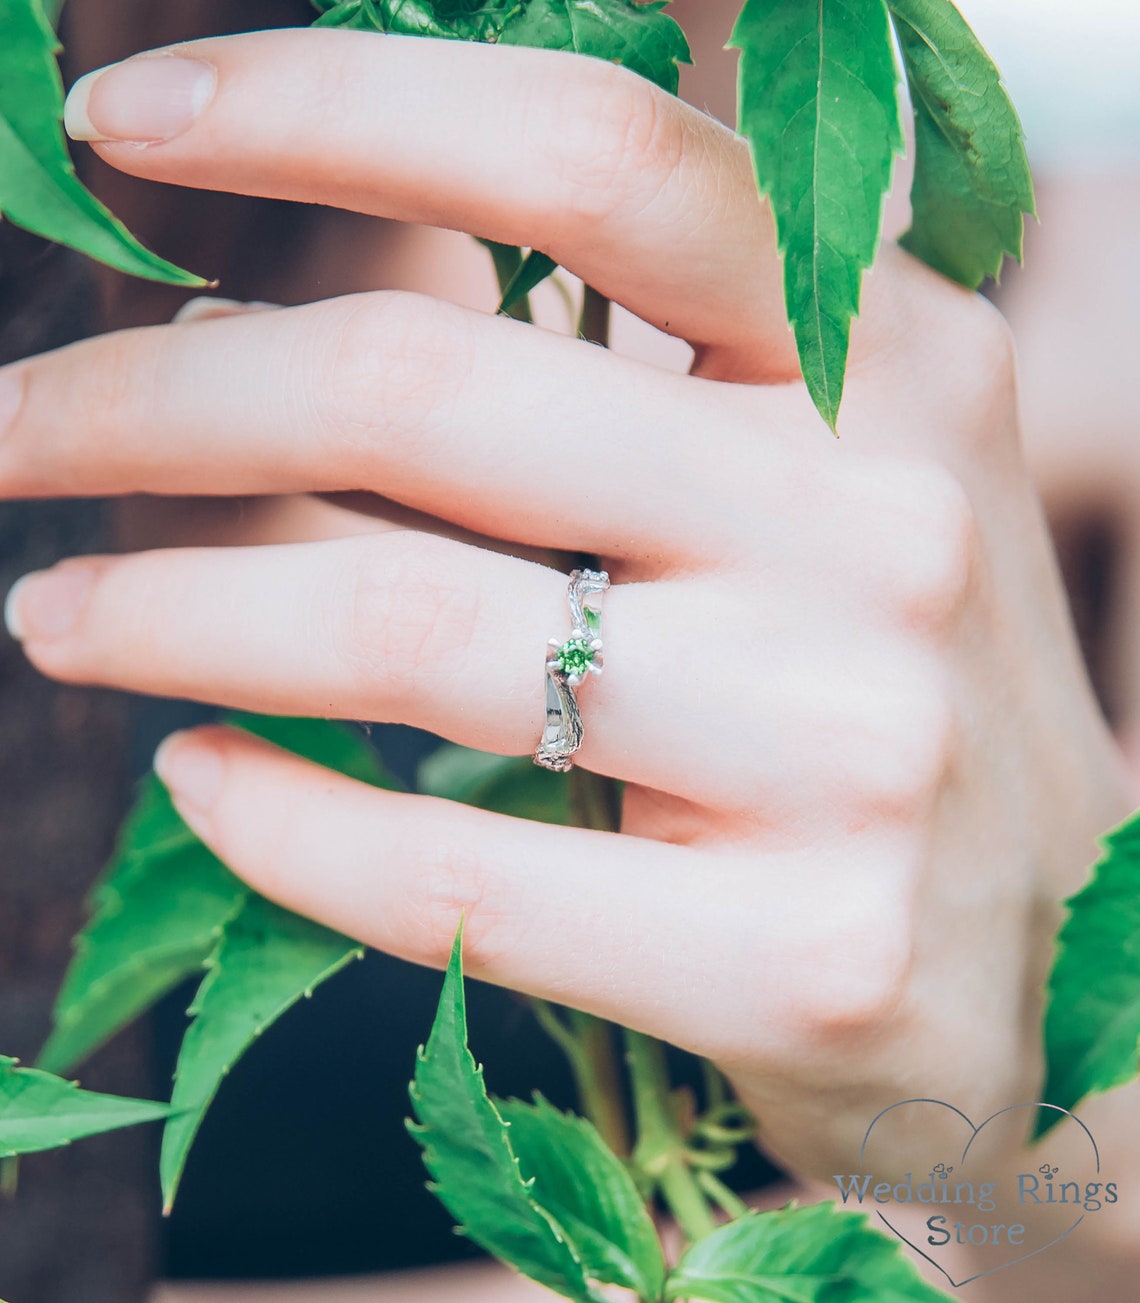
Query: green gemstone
pixel 575 656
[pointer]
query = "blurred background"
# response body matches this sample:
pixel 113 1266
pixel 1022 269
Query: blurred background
pixel 302 1169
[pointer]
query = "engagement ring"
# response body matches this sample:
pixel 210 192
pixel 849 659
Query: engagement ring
pixel 568 662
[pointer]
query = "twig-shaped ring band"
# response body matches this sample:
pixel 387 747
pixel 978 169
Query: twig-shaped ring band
pixel 568 662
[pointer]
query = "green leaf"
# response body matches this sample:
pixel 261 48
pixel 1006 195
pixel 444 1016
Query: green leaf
pixel 38 186
pixel 1092 1024
pixel 641 37
pixel 590 1193
pixel 818 101
pixel 159 907
pixel 157 914
pixel 533 270
pixel 799 1255
pixel 325 742
pixel 464 20
pixel 156 923
pixel 638 36
pixel 266 960
pixel 971 177
pixel 467 1151
pixel 512 785
pixel 39 1111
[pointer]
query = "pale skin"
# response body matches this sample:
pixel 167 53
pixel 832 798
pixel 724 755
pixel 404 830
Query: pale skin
pixel 862 759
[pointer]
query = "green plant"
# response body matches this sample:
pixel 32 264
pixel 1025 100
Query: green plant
pixel 1092 1024
pixel 564 1199
pixel 818 101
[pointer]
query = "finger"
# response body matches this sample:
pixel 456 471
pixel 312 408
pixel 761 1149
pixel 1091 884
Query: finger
pixel 646 199
pixel 503 429
pixel 398 627
pixel 699 699
pixel 384 627
pixel 547 910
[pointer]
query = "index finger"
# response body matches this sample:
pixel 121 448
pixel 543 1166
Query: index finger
pixel 648 200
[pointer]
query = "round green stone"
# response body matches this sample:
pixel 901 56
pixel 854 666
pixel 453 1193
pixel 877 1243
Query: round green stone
pixel 574 656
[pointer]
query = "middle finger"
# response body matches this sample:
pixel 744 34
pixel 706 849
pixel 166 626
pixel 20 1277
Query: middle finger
pixel 503 429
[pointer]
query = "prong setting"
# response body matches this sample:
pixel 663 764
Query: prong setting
pixel 569 662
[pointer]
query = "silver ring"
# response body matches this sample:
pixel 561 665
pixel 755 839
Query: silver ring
pixel 568 662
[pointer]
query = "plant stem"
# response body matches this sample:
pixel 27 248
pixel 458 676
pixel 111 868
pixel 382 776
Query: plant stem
pixel 588 1046
pixel 601 1087
pixel 595 801
pixel 660 1151
pixel 720 1194
pixel 594 323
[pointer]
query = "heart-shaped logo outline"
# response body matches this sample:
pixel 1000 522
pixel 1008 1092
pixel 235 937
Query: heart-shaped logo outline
pixel 975 1132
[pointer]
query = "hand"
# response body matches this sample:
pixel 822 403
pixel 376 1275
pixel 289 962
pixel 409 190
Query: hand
pixel 841 684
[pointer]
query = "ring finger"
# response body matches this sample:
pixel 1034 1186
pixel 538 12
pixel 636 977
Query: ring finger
pixel 400 627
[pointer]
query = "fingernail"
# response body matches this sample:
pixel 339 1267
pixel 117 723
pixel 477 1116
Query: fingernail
pixel 11 396
pixel 192 771
pixel 152 98
pixel 47 603
pixel 206 307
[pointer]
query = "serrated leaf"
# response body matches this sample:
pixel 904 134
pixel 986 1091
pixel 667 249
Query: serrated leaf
pixel 467 1151
pixel 39 1111
pixel 266 959
pixel 38 186
pixel 512 785
pixel 641 37
pixel 160 905
pixel 818 101
pixel 1092 1023
pixel 156 921
pixel 799 1255
pixel 971 176
pixel 464 20
pixel 590 1192
pixel 638 36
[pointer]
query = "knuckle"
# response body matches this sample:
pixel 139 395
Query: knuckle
pixel 452 883
pixel 990 351
pixel 907 744
pixel 407 619
pixel 932 547
pixel 619 142
pixel 985 379
pixel 864 960
pixel 395 373
pixel 971 349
